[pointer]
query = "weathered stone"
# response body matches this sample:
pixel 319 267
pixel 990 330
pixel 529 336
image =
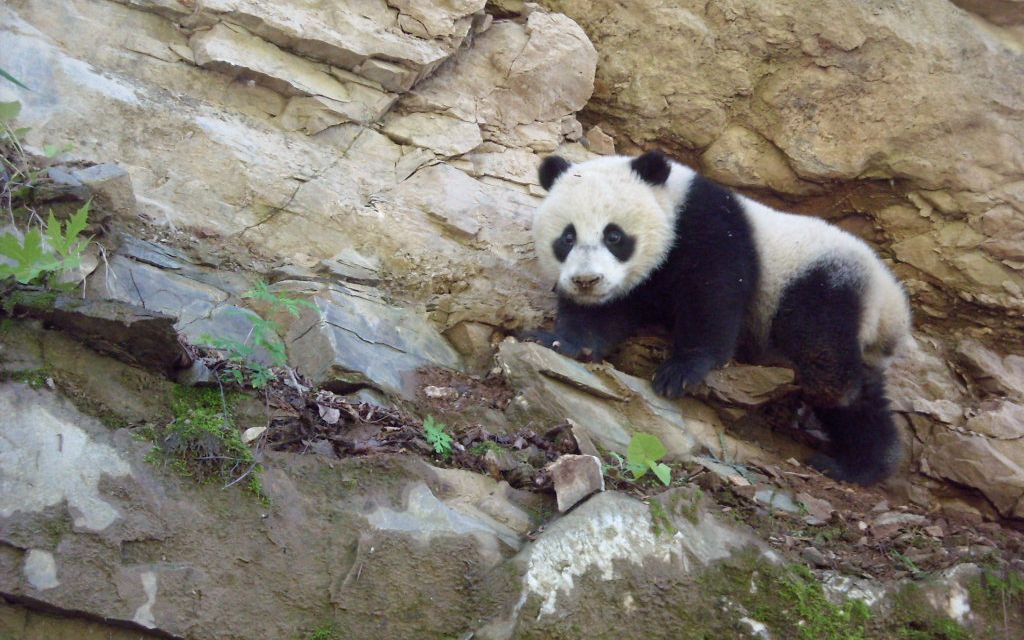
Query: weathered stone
pixel 234 50
pixel 994 467
pixel 742 158
pixel 514 165
pixel 600 142
pixel 473 341
pixel 444 135
pixel 749 385
pixel 350 340
pixel 110 187
pixel 567 551
pixel 994 373
pixel 575 478
pixel 49 458
pixel 87 525
pixel 448 196
pixel 608 404
pixel 342 35
pixel 438 19
pixel 127 332
pixel 352 266
pixel 1004 422
pixel 155 290
pixel 515 74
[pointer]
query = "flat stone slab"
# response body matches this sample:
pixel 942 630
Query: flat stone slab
pixel 234 50
pixel 354 339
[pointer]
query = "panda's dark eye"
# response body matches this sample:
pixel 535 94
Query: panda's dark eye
pixel 563 245
pixel 619 243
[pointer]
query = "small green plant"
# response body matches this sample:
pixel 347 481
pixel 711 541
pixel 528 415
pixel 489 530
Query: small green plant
pixel 262 335
pixel 325 632
pixel 642 456
pixel 436 436
pixel 203 442
pixel 36 263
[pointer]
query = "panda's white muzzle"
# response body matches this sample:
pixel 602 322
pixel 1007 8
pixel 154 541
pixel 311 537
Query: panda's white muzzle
pixel 590 275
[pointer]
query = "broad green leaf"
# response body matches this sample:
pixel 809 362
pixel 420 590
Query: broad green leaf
pixel 644 448
pixel 662 471
pixel 9 110
pixel 637 470
pixel 51 150
pixel 8 76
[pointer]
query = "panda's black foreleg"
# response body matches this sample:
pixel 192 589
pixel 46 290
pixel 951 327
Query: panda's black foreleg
pixel 704 337
pixel 588 332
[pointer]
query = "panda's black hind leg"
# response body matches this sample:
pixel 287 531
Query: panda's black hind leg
pixel 864 440
pixel 816 328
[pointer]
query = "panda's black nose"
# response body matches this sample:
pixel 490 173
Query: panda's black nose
pixel 586 281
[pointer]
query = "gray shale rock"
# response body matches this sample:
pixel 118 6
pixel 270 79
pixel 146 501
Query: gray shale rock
pixel 352 338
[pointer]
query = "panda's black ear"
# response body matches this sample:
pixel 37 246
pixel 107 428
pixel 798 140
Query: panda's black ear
pixel 653 167
pixel 550 169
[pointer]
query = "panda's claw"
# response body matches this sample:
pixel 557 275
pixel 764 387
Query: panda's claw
pixel 675 376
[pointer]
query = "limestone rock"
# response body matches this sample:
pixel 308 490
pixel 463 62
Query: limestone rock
pixel 348 35
pixel 473 341
pixel 568 550
pixel 748 385
pixel 445 135
pixel 515 74
pixel 994 373
pixel 600 142
pixel 575 478
pixel 233 50
pixel 437 19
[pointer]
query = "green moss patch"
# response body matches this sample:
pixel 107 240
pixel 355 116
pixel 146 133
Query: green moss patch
pixel 203 442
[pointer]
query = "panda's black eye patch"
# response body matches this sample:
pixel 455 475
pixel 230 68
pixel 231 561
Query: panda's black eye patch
pixel 563 245
pixel 619 243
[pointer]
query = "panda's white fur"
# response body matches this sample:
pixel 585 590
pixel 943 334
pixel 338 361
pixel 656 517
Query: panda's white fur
pixel 606 190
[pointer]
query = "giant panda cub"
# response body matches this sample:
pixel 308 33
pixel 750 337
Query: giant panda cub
pixel 646 241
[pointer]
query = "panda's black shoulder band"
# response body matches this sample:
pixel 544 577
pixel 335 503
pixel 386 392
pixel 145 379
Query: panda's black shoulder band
pixel 550 169
pixel 653 167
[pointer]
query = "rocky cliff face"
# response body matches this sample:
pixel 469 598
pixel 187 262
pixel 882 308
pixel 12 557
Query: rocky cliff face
pixel 377 157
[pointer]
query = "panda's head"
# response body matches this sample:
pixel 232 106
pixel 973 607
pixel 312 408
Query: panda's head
pixel 607 223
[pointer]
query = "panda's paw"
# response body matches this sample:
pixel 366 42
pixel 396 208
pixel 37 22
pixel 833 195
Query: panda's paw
pixel 676 375
pixel 861 474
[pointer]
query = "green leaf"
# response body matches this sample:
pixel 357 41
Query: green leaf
pixel 637 470
pixel 9 77
pixel 662 471
pixel 9 110
pixel 644 448
pixel 435 435
pixel 78 222
pixel 54 237
pixel 51 150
